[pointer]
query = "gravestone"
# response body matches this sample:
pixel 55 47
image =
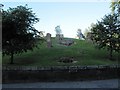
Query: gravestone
pixel 48 39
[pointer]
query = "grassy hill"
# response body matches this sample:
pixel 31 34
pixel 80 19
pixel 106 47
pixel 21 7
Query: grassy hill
pixel 83 52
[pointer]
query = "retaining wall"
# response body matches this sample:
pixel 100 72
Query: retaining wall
pixel 58 73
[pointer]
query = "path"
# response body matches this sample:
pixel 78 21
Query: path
pixel 112 83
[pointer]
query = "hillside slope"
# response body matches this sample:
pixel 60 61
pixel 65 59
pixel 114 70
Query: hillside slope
pixel 82 52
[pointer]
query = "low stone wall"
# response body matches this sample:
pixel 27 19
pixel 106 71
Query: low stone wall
pixel 58 73
pixel 54 68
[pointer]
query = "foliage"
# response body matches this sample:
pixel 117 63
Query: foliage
pixel 106 33
pixel 58 30
pixel 87 32
pixel 115 5
pixel 18 33
pixel 80 35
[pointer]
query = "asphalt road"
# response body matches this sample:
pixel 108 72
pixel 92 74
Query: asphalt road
pixel 112 83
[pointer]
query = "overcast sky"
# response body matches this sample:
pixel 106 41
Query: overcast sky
pixel 71 16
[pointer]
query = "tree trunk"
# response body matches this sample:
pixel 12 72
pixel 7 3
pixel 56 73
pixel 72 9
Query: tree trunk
pixel 111 50
pixel 11 58
pixel 111 54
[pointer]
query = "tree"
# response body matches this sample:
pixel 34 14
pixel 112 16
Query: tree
pixel 58 30
pixel 88 30
pixel 18 33
pixel 115 6
pixel 106 33
pixel 80 35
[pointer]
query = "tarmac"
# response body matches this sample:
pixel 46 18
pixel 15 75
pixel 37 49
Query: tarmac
pixel 111 84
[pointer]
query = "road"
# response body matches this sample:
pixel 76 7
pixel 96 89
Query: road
pixel 112 83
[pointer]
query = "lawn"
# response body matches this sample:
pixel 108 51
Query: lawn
pixel 83 52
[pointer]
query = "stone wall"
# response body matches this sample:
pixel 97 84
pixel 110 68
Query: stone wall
pixel 58 73
pixel 69 68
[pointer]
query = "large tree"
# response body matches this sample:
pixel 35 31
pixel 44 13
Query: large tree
pixel 18 33
pixel 106 33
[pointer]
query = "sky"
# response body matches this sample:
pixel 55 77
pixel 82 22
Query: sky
pixel 71 16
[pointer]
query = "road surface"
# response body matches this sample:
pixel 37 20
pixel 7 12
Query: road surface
pixel 112 83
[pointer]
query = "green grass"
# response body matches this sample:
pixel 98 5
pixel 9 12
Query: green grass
pixel 82 51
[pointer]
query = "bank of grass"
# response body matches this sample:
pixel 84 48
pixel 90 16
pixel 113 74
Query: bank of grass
pixel 83 52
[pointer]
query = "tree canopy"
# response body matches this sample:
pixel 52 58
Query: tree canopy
pixel 58 30
pixel 115 6
pixel 80 35
pixel 106 33
pixel 18 33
